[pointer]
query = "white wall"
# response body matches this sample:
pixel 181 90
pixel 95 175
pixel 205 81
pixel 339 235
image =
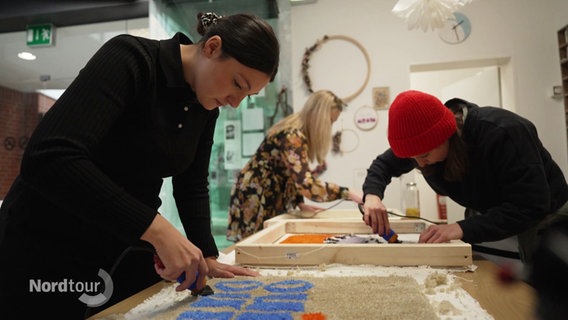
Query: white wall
pixel 521 32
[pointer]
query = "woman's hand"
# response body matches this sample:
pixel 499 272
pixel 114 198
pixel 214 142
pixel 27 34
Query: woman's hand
pixel 176 254
pixel 222 270
pixel 375 214
pixel 441 233
pixel 309 208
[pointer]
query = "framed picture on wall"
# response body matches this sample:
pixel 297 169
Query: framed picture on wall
pixel 381 98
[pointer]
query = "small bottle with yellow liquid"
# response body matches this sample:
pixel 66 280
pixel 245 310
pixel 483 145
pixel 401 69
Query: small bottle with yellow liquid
pixel 411 200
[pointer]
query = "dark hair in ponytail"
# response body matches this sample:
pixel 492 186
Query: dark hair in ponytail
pixel 247 38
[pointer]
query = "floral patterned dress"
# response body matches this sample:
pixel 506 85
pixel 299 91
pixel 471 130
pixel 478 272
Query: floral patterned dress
pixel 274 181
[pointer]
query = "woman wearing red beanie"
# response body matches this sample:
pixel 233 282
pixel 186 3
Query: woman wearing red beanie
pixel 486 159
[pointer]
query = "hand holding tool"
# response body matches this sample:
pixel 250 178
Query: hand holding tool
pixel 390 236
pixel 205 289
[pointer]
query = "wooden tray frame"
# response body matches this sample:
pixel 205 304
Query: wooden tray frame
pixel 263 247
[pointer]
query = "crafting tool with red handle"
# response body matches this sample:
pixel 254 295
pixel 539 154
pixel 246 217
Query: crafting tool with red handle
pixel 390 236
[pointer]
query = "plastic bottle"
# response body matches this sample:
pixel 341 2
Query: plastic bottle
pixel 411 200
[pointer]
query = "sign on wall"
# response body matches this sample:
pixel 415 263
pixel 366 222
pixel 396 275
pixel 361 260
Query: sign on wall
pixel 40 35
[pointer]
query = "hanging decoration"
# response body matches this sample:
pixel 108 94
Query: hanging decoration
pixel 341 145
pixel 336 142
pixel 381 98
pixel 282 107
pixel 309 51
pixel 366 118
pixel 426 14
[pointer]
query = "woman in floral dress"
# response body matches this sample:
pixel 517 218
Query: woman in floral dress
pixel 278 177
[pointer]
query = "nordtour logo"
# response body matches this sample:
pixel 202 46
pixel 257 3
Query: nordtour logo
pixel 87 288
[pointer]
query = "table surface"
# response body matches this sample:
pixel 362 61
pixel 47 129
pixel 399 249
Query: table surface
pixel 504 301
pixel 516 300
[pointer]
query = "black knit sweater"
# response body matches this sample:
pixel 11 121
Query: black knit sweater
pixel 512 179
pixel 92 172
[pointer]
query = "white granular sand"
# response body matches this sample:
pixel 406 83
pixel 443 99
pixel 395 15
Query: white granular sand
pixel 348 292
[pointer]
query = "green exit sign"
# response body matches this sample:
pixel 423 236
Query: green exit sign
pixel 40 35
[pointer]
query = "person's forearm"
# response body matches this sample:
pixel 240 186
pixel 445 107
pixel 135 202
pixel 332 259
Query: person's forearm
pixel 159 227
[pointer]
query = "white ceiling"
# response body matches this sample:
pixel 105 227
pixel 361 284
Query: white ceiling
pixel 81 27
pixel 61 62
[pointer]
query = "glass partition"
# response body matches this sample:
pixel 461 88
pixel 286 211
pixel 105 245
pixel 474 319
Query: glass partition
pixel 239 131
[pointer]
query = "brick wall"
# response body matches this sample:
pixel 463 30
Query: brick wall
pixel 19 115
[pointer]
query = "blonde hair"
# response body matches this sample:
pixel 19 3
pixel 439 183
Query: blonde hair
pixel 314 120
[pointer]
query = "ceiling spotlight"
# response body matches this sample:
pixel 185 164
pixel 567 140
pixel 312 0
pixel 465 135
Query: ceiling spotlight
pixel 26 55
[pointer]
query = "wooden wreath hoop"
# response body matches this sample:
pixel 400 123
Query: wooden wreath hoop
pixel 356 141
pixel 317 45
pixel 338 142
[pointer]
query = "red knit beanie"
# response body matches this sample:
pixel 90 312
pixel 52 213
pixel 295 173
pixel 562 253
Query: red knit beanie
pixel 418 123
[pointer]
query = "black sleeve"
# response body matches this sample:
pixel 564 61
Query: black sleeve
pixel 513 157
pixel 382 170
pixel 58 160
pixel 191 192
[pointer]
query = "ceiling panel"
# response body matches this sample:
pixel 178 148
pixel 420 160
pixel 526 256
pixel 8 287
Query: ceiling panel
pixel 16 15
pixel 81 27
